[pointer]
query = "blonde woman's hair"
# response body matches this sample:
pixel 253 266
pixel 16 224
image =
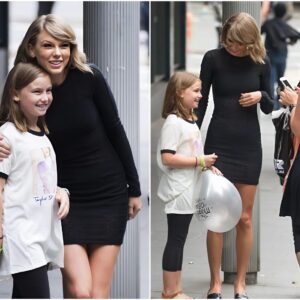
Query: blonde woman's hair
pixel 241 28
pixel 179 82
pixel 59 30
pixel 18 78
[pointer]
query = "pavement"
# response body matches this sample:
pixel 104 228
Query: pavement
pixel 279 276
pixel 21 14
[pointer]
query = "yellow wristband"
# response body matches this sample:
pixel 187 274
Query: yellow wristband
pixel 1 249
pixel 202 161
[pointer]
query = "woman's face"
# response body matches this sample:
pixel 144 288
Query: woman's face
pixel 51 54
pixel 236 49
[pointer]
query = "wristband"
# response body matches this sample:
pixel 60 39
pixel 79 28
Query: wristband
pixel 202 161
pixel 67 191
pixel 1 249
pixel 291 106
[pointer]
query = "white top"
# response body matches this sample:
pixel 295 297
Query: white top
pixel 31 228
pixel 177 184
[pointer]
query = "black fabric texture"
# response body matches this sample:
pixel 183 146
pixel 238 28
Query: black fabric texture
pixel 94 158
pixel 178 227
pixel 234 132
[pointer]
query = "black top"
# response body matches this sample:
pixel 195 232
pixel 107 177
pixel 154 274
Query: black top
pixel 279 34
pixel 94 158
pixel 234 132
pixel 290 205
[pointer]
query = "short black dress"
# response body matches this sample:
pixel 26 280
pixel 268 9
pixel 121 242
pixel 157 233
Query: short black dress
pixel 290 204
pixel 94 159
pixel 234 131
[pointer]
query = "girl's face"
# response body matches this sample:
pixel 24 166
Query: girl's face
pixel 35 98
pixel 53 55
pixel 191 96
pixel 236 49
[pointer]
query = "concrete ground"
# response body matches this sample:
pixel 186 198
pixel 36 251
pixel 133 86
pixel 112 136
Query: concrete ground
pixel 279 275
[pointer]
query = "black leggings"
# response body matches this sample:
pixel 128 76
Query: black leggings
pixel 296 234
pixel 178 227
pixel 32 284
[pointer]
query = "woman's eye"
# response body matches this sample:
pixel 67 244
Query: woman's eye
pixel 65 45
pixel 47 45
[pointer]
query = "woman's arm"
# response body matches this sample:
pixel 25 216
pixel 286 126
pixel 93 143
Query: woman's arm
pixel 4 148
pixel 295 117
pixel 206 80
pixel 266 101
pixel 105 102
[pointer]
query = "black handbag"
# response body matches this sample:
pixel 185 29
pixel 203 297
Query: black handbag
pixel 284 150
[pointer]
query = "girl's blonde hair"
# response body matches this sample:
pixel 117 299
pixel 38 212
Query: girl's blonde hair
pixel 18 78
pixel 179 82
pixel 59 30
pixel 241 28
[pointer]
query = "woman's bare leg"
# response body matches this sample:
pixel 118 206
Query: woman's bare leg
pixel 244 236
pixel 102 262
pixel 77 279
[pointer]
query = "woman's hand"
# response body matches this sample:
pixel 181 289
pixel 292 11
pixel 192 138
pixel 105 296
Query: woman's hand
pixel 249 99
pixel 210 159
pixel 63 201
pixel 288 96
pixel 4 149
pixel 216 170
pixel 134 206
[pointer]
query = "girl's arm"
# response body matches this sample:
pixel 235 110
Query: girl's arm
pixel 2 183
pixel 180 161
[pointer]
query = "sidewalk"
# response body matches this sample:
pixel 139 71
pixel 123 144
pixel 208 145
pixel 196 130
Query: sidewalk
pixel 279 275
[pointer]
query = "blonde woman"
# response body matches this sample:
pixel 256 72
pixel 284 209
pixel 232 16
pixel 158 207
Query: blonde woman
pixel 94 158
pixel 240 77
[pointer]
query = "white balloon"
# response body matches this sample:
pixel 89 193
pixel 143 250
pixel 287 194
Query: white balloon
pixel 218 202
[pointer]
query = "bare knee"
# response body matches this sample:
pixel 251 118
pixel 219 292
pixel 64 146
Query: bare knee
pixel 80 292
pixel 245 222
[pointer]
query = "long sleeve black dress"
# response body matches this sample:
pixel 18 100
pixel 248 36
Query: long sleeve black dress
pixel 234 132
pixel 94 159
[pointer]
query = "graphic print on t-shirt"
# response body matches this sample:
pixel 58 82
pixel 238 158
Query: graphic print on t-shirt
pixel 43 171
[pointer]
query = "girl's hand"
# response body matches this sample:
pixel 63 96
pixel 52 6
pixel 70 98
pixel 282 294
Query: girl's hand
pixel 4 149
pixel 134 206
pixel 216 170
pixel 288 96
pixel 63 201
pixel 249 99
pixel 210 159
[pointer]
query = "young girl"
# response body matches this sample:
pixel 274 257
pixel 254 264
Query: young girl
pixel 181 158
pixel 30 202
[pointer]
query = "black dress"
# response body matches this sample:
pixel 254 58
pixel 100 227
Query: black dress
pixel 290 204
pixel 234 132
pixel 94 159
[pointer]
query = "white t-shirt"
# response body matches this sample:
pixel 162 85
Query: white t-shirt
pixel 177 184
pixel 31 228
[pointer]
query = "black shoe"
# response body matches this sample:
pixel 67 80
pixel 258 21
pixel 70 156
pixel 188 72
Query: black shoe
pixel 214 296
pixel 241 296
